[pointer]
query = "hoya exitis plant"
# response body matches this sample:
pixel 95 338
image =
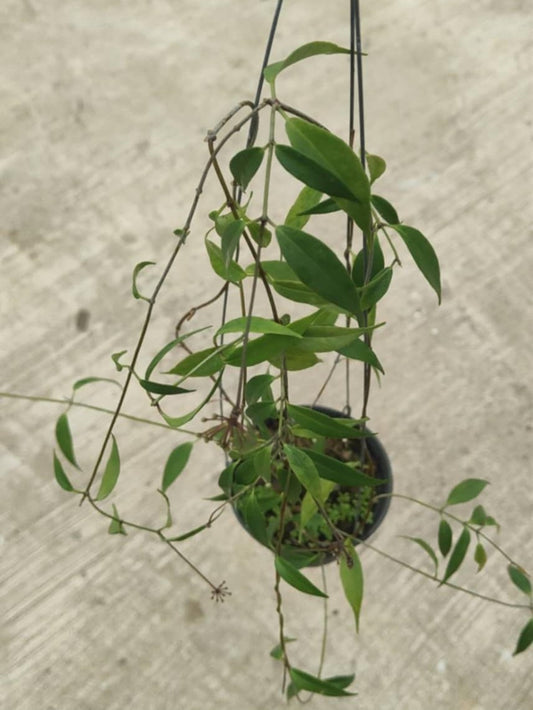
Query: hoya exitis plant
pixel 311 484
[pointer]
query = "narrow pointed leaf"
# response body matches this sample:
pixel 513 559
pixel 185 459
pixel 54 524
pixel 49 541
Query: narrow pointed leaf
pixel 64 439
pixel 385 209
pixel 323 424
pixel 306 681
pixel 423 254
pixel 332 469
pixel 154 362
pixel 175 464
pixel 116 527
pixel 519 579
pixel 427 548
pixel 445 537
pixel 189 533
pixel 90 380
pixel 61 476
pixel 375 289
pixel 138 268
pixel 296 579
pixel 376 166
pixel 467 490
pixel 162 388
pixel 310 49
pixel 177 422
pixel 256 324
pixel 230 240
pixel 200 364
pixel 327 206
pixel 311 173
pixel 480 556
pixel 318 267
pixel 458 554
pixel 116 359
pixel 359 350
pixel 351 573
pixel 378 264
pixel 254 519
pixel 304 469
pixel 111 472
pixel 298 215
pixel 525 639
pixel 245 164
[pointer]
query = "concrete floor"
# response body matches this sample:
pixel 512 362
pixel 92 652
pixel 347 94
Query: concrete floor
pixel 104 110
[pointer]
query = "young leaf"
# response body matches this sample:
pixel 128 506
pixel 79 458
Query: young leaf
pixel 351 573
pixel 245 164
pixel 61 476
pixel 519 579
pixel 189 533
pixel 445 537
pixel 259 233
pixel 304 469
pixel 116 527
pixel 323 424
pixel 479 516
pixel 480 556
pixel 311 173
pixel 277 651
pixel 525 639
pixel 306 681
pixel 376 166
pixel 116 358
pixel 422 253
pixel 385 209
pixel 230 240
pixel 256 324
pixel 233 272
pixel 175 464
pixel 177 422
pixel 64 440
pixel 310 49
pixel 467 490
pixel 138 268
pixel 297 217
pixel 89 380
pixel 111 472
pixel 427 548
pixel 318 267
pixel 296 579
pixel 458 554
pixel 162 388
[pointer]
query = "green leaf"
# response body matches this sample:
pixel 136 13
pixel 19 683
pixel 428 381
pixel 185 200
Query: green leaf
pixel 258 387
pixel 445 537
pixel 519 579
pixel 288 285
pixel 525 639
pixel 154 362
pixel 254 519
pixel 175 464
pixel 61 476
pixel 162 388
pixel 200 364
pixel 423 254
pixel 385 209
pixel 277 651
pixel 261 349
pixel 309 506
pixel 116 527
pixel 427 548
pixel 351 573
pixel 297 217
pixel 138 268
pixel 116 358
pixel 480 556
pixel 90 380
pixel 327 206
pixel 311 173
pixel 111 472
pixel 479 516
pixel 233 272
pixel 376 289
pixel 259 233
pixel 304 469
pixel 306 681
pixel 230 240
pixel 332 153
pixel 177 422
pixel 466 490
pixel 325 338
pixel 64 440
pixel 296 579
pixel 458 554
pixel 245 164
pixel 378 264
pixel 189 533
pixel 334 470
pixel 310 49
pixel 341 681
pixel 376 166
pixel 359 350
pixel 319 423
pixel 317 266
pixel 256 324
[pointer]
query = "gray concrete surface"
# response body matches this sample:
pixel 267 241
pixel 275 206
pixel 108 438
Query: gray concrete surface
pixel 104 106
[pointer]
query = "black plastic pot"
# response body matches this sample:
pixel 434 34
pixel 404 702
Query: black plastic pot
pixel 383 471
